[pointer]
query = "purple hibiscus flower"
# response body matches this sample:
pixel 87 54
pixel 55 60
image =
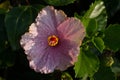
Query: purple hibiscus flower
pixel 53 41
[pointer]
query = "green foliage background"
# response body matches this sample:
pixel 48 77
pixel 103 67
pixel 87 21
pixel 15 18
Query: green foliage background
pixel 99 54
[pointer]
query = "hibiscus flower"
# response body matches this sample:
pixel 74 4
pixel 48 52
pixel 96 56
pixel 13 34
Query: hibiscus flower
pixel 53 41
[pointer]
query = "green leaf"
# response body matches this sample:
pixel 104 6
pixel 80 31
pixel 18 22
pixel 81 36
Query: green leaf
pixel 5 4
pixel 91 28
pixel 104 73
pixel 112 39
pixel 66 76
pixel 7 58
pixel 59 2
pixel 98 43
pixel 1 78
pixel 96 11
pixel 2 11
pixel 17 22
pixel 99 14
pixel 3 39
pixel 87 64
pixel 97 7
pixel 116 66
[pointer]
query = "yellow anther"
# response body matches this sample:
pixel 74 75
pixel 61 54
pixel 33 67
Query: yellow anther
pixel 52 40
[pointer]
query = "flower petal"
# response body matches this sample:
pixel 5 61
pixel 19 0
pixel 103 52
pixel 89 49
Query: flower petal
pixel 72 29
pixel 26 40
pixel 35 42
pixel 56 58
pixel 66 54
pixel 51 17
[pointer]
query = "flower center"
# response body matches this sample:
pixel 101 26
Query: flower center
pixel 53 40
